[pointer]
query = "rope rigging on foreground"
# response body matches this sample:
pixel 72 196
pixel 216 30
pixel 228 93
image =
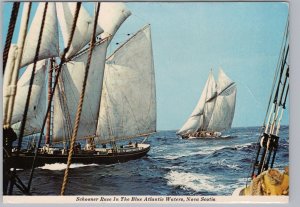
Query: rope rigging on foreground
pixel 264 179
pixel 78 6
pixel 79 108
pixel 11 29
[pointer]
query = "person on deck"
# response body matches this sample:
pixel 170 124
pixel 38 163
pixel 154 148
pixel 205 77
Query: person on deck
pixel 9 136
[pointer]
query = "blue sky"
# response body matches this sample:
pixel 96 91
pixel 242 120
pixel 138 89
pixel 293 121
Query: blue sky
pixel 191 38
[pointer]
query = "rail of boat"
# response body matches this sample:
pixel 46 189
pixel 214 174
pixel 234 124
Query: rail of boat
pixel 97 151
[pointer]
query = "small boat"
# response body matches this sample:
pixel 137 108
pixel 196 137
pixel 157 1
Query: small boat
pixel 214 111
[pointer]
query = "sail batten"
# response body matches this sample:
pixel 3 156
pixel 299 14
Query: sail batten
pixel 128 103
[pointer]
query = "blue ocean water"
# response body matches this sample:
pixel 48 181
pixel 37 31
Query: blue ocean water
pixel 174 166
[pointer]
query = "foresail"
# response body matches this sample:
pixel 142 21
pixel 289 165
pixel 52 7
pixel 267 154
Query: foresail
pixel 37 104
pixel 111 17
pixel 50 42
pixel 195 121
pixel 83 30
pixel 191 125
pixel 224 108
pixel 128 104
pixel 66 97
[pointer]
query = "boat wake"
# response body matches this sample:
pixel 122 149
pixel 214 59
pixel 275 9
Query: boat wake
pixel 63 166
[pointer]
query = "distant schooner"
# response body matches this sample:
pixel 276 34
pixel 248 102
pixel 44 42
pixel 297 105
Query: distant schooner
pixel 214 111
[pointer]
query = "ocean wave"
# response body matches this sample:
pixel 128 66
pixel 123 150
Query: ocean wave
pixel 201 151
pixel 63 166
pixel 239 147
pixel 180 154
pixel 194 181
pixel 223 163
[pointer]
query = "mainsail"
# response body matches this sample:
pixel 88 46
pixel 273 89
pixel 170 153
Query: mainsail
pixel 128 105
pixel 67 95
pixel 223 112
pixel 215 108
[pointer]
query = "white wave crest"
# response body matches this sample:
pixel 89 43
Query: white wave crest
pixel 63 166
pixel 194 181
pixel 224 163
pixel 244 145
pixel 206 150
pixel 185 153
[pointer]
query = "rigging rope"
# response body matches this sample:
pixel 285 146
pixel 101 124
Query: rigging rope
pixel 10 32
pixel 280 66
pixel 283 43
pixel 23 122
pixel 79 108
pixel 52 93
pixel 13 72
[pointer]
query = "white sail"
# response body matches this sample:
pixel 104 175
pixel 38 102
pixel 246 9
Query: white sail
pixel 50 42
pixel 7 87
pixel 83 30
pixel 223 81
pixel 209 104
pixel 195 121
pixel 128 105
pixel 111 16
pixel 67 98
pixel 37 104
pixel 223 113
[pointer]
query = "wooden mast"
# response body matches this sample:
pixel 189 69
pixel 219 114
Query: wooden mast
pixel 50 74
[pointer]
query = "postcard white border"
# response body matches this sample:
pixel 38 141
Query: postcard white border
pixel 294 197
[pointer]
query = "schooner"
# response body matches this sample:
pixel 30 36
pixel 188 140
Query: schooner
pixel 119 101
pixel 214 111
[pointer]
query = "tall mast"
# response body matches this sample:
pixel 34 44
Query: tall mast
pixel 50 74
pixel 268 142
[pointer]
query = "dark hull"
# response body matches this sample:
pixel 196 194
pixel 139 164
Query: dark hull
pixel 25 159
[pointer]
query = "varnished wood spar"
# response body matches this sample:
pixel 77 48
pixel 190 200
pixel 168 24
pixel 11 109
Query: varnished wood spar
pixel 50 72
